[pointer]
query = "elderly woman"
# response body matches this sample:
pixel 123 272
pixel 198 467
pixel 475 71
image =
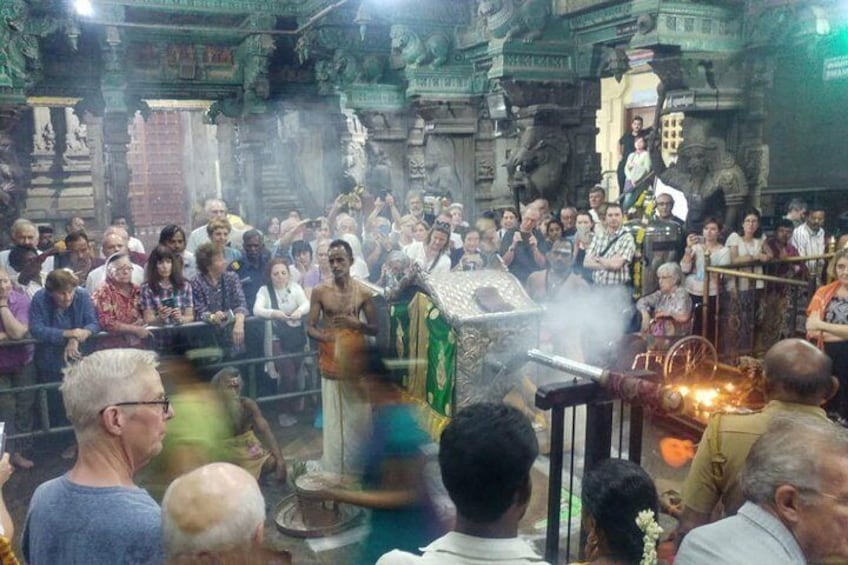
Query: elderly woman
pixel 118 305
pixel 827 323
pixel 668 311
pixel 620 509
pixel 61 318
pixel 218 296
pixel 432 255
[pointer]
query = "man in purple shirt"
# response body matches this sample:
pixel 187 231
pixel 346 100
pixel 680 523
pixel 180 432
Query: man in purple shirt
pixel 15 368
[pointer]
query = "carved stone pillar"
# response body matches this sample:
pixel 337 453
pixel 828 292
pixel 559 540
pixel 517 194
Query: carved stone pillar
pixel 252 134
pixel 555 158
pixel 12 177
pixel 386 151
pixel 449 149
pixel 116 118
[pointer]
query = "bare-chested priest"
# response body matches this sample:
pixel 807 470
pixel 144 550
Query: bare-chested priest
pixel 335 321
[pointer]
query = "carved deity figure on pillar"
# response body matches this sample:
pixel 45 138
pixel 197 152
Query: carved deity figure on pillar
pixel 714 185
pixel 440 170
pixel 537 169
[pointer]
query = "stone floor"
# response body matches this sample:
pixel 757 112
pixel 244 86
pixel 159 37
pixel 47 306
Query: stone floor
pixel 303 442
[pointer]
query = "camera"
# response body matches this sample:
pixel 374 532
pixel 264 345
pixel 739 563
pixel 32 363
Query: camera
pixel 169 302
pixel 313 224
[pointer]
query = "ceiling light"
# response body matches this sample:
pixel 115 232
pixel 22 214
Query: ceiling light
pixel 84 8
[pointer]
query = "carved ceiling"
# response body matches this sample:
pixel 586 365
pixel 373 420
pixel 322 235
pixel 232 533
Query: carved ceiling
pixel 377 54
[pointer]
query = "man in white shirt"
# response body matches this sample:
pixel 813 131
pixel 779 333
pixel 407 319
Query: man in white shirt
pixel 113 242
pixel 808 238
pixel 485 455
pixel 23 233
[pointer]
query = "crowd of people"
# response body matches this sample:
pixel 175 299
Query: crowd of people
pixel 93 312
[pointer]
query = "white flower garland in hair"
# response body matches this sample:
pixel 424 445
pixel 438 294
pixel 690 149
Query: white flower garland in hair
pixel 648 526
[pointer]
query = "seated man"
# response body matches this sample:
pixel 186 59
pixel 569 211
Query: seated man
pixel 95 513
pixel 215 514
pixel 245 449
pixel 485 455
pixel 798 379
pixel 795 503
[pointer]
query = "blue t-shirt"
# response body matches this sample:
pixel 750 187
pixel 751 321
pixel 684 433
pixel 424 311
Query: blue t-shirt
pixel 69 524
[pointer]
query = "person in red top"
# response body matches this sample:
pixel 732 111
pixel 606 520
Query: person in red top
pixel 118 305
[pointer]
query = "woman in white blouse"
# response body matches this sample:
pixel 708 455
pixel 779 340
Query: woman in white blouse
pixel 283 303
pixel 432 255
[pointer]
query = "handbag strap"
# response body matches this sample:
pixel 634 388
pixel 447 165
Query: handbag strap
pixel 273 294
pixel 610 244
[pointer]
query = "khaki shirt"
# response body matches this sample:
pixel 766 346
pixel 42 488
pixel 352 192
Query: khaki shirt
pixel 714 474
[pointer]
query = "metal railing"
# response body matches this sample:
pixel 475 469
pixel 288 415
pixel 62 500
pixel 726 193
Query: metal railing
pixel 599 391
pixel 728 307
pixel 251 377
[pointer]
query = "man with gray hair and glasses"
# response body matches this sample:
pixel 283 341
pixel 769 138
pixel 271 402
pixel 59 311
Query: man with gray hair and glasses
pixel 95 513
pixel 795 484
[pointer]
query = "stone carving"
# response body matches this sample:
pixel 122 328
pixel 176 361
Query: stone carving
pixel 256 52
pixel 11 176
pixel 416 51
pixel 76 138
pixel 345 69
pixel 537 170
pixel 378 177
pixel 20 57
pixel 713 183
pixel 439 159
pixel 45 139
pixel 512 19
pixel 415 164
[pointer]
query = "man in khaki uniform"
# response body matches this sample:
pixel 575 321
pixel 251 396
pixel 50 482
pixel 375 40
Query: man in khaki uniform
pixel 798 379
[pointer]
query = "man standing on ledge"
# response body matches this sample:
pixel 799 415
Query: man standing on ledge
pixel 341 341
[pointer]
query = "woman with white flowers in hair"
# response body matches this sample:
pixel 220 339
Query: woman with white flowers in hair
pixel 621 507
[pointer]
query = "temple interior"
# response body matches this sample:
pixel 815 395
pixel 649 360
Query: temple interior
pixel 147 110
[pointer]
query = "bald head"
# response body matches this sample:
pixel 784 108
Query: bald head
pixel 796 370
pixel 215 508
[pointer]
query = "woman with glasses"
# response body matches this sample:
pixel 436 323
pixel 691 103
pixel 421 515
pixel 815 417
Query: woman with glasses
pixel 118 305
pixel 666 313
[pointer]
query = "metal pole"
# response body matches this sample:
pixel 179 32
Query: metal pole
pixel 554 485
